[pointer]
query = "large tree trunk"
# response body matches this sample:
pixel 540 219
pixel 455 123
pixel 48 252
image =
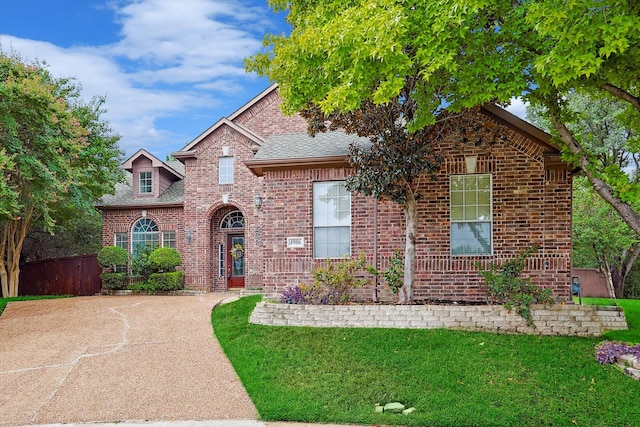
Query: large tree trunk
pixel 13 234
pixel 405 294
pixel 616 271
pixel 626 212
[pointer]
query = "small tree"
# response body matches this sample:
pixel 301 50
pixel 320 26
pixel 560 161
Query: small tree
pixel 55 152
pixel 140 263
pixel 112 257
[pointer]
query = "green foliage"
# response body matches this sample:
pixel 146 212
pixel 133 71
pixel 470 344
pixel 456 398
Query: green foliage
pixel 140 265
pixel 164 259
pixel 632 283
pixel 114 281
pixel 336 279
pixel 169 281
pixel 112 257
pixel 77 232
pixel 505 286
pixel 55 152
pixel 452 55
pixel 394 273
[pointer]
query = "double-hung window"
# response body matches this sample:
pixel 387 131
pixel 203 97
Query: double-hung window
pixel 169 239
pixel 225 170
pixel 146 183
pixel 331 220
pixel 122 240
pixel 471 215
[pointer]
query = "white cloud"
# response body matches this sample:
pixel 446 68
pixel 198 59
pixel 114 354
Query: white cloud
pixel 518 107
pixel 173 57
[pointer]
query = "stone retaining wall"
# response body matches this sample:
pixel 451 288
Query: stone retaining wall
pixel 580 320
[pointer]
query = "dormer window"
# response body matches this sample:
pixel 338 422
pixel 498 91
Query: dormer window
pixel 146 183
pixel 225 170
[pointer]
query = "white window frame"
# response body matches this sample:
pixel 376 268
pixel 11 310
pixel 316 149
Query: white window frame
pixel 169 239
pixel 121 240
pixel 145 182
pixel 225 170
pixel 327 220
pixel 148 230
pixel 471 211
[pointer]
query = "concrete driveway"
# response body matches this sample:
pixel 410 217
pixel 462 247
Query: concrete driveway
pixel 113 359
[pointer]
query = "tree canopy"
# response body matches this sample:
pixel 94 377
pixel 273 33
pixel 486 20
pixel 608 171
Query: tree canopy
pixel 463 53
pixel 57 156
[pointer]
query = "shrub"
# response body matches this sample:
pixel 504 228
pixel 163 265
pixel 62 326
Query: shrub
pixel 505 286
pixel 111 257
pixel 331 283
pixel 169 281
pixel 114 281
pixel 307 294
pixel 140 263
pixel 394 274
pixel 164 259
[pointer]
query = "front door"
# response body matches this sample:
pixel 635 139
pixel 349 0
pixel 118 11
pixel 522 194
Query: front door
pixel 235 261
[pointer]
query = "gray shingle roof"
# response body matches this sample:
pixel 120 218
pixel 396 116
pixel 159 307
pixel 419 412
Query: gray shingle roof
pixel 176 165
pixel 301 145
pixel 124 195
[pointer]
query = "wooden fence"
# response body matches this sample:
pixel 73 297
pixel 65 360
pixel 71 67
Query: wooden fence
pixel 79 276
pixel 593 283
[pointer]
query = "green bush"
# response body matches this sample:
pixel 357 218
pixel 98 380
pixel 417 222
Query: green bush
pixel 170 281
pixel 164 259
pixel 114 281
pixel 111 257
pixel 505 286
pixel 140 265
pixel 338 278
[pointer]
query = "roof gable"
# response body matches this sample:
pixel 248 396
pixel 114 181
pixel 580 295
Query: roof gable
pixel 190 149
pixel 155 162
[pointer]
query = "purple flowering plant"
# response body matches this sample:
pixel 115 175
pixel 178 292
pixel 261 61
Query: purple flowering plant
pixel 608 352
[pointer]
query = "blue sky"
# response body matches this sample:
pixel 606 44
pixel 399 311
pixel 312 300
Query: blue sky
pixel 169 69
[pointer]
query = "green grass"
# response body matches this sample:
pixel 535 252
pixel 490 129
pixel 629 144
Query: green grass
pixel 452 378
pixel 631 313
pixel 4 301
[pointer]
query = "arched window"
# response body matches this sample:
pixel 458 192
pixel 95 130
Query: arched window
pixel 232 220
pixel 144 232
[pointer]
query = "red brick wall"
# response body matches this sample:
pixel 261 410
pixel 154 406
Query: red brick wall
pixel 121 221
pixel 265 118
pixel 529 207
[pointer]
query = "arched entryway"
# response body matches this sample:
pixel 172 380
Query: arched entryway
pixel 232 228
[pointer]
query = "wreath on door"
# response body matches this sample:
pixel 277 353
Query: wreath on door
pixel 237 251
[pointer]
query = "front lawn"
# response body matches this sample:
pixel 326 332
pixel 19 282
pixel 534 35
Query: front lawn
pixel 452 378
pixel 4 301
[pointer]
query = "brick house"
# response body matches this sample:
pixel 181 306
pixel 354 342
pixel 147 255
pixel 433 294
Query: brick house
pixel 254 202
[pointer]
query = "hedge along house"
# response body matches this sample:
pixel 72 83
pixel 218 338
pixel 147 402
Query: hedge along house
pixel 257 203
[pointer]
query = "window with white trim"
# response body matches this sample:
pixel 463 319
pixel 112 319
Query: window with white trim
pixel 471 214
pixel 146 182
pixel 225 170
pixel 331 220
pixel 122 240
pixel 144 233
pixel 169 239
